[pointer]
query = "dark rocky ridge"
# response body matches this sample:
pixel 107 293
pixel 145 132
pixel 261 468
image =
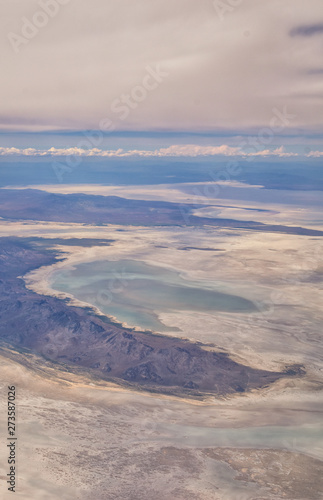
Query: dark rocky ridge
pixel 32 204
pixel 75 336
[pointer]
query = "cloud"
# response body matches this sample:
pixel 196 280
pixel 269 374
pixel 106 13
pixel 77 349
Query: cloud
pixel 195 150
pixel 89 63
pixel 276 152
pixel 307 30
pixel 315 154
pixel 186 150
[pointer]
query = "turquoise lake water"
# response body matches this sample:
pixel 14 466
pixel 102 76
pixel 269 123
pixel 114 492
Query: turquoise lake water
pixel 302 438
pixel 135 292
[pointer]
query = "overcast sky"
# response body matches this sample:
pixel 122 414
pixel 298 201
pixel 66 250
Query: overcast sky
pixel 161 64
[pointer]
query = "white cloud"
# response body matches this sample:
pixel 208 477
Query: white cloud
pixel 186 150
pixel 226 74
pixel 195 150
pixel 276 152
pixel 315 154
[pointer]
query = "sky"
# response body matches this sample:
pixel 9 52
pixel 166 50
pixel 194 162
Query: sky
pixel 195 66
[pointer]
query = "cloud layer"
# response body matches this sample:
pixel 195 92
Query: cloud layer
pixel 307 30
pixel 160 65
pixel 187 150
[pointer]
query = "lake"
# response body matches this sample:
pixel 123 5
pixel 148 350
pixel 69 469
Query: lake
pixel 135 292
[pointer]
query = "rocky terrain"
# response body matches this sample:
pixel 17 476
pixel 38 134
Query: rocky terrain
pixel 32 204
pixel 76 336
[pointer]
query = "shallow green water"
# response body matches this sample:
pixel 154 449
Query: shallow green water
pixel 134 292
pixel 303 438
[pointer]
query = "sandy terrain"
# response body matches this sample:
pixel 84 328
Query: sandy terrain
pixel 80 438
